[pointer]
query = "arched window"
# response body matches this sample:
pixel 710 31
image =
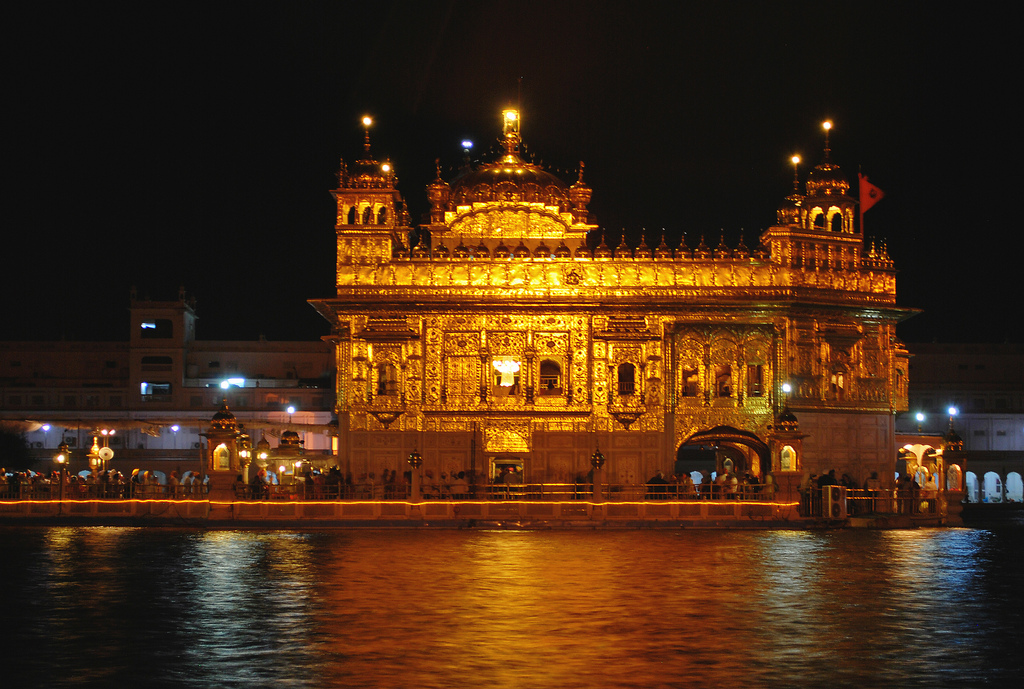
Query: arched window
pixel 222 457
pixel 367 215
pixel 688 377
pixel 627 379
pixel 838 384
pixel 352 215
pixel 382 215
pixel 723 380
pixel 787 459
pixel 387 379
pixel 550 378
pixel 755 380
pixel 954 477
pixel 818 219
pixel 837 222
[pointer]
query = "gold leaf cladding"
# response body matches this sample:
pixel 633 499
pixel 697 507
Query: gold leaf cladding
pixel 461 343
pixel 551 343
pixel 504 342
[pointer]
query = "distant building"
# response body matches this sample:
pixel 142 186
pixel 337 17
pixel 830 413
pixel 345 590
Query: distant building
pixel 159 390
pixel 984 385
pixel 510 332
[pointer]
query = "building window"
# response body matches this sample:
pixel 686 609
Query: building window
pixel 506 375
pixel 788 459
pixel 627 379
pixel 387 379
pixel 838 384
pixel 157 329
pixel 156 363
pixel 155 390
pixel 689 382
pixel 723 380
pixel 550 378
pixel 382 215
pixel 755 380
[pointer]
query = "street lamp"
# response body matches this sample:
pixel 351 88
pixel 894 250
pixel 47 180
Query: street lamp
pixel 415 461
pixel 597 461
pixel 920 420
pixel 63 457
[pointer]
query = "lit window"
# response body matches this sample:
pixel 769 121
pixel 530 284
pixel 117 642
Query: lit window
pixel 506 373
pixel 550 378
pixel 627 379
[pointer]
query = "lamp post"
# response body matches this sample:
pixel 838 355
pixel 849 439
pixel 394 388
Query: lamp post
pixel 62 458
pixel 245 455
pixel 415 461
pixel 597 461
pixel 919 417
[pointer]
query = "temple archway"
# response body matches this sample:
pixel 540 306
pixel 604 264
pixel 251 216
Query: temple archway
pixel 745 450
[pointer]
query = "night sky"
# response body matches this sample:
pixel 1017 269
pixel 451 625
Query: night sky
pixel 160 147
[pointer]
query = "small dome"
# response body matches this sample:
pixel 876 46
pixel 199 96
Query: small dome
pixel 562 251
pixel 420 251
pixel 683 251
pixel 441 251
pixel 662 251
pixel 602 250
pixel 542 251
pixel 224 420
pixel 289 439
pixel 642 251
pixel 702 251
pixel 460 251
pixel 741 249
pixel 623 250
pixel 521 251
pixel 827 180
pixel 582 251
pixel 722 251
pixel 501 251
pixel 788 421
pixel 481 250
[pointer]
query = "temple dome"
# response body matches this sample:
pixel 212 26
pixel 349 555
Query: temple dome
pixel 510 179
pixel 826 179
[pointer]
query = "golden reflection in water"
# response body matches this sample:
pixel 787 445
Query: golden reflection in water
pixel 435 608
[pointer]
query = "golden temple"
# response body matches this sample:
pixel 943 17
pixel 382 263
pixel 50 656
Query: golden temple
pixel 500 339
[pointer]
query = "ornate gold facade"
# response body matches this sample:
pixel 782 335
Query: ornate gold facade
pixel 505 336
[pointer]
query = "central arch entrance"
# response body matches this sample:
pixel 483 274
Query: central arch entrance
pixel 732 448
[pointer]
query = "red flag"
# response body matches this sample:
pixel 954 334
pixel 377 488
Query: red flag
pixel 869 193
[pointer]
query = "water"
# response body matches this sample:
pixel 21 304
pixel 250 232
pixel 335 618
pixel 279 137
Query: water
pixel 434 608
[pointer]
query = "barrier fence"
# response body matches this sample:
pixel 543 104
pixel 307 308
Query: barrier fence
pixel 829 502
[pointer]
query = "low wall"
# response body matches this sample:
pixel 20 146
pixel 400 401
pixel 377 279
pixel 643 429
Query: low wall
pixel 255 512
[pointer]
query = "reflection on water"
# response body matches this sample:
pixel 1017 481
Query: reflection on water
pixel 121 606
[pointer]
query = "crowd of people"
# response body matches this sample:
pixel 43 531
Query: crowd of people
pixel 332 484
pixel 106 483
pixel 724 485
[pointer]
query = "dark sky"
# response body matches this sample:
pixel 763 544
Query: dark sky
pixel 158 147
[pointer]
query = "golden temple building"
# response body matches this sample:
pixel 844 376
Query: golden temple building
pixel 499 339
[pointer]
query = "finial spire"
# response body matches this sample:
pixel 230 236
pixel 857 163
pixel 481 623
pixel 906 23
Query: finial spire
pixel 510 124
pixel 367 122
